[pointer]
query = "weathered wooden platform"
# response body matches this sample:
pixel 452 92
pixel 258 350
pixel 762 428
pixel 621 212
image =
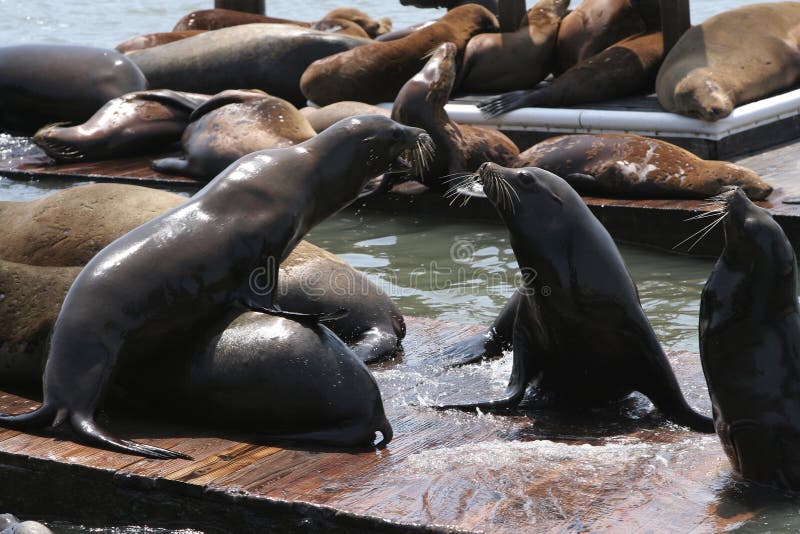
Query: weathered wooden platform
pixel 618 468
pixel 659 224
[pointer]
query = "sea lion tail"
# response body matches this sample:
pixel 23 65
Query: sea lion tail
pixel 86 428
pixel 38 418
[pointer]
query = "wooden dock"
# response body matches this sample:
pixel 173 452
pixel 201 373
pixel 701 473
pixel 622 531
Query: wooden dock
pixel 617 468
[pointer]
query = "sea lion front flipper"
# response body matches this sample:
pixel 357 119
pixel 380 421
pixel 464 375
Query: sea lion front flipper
pixel 584 184
pixel 305 318
pixel 375 345
pixel 489 344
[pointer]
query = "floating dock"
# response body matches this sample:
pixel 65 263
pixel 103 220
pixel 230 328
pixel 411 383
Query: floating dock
pixel 530 470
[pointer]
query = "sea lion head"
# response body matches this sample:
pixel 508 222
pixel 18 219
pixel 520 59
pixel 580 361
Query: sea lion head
pixel 700 96
pixel 750 182
pixel 438 74
pixel 756 245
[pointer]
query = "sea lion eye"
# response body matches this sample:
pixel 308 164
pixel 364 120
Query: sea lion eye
pixel 525 177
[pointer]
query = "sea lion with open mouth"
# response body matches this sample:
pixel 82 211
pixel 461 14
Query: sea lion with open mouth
pixel 184 269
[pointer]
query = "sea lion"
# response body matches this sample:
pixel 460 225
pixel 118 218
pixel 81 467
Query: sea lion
pixel 580 332
pixel 750 345
pixel 68 228
pixel 394 35
pixel 182 270
pixel 41 84
pixel 595 25
pixel 326 116
pixel 632 166
pixel 270 57
pixel 372 27
pixel 231 125
pixel 149 40
pixel 343 26
pixel 215 19
pixel 732 58
pixel 491 5
pixel 627 68
pixel 135 123
pixel 375 72
pixel 492 60
pixel 459 148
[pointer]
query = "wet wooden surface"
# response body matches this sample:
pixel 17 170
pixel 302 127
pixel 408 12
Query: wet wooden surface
pixel 617 468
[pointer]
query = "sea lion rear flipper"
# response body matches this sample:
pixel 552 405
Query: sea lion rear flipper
pixel 42 416
pixel 171 165
pixel 86 429
pixel 488 344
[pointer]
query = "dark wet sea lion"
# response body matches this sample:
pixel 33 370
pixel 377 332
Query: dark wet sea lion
pixel 580 333
pixel 701 77
pixel 632 166
pixel 459 148
pixel 42 84
pixel 149 40
pixel 215 19
pixel 375 72
pixel 327 116
pixel 69 227
pixel 627 68
pixel 750 346
pixel 517 60
pixel 595 25
pixel 491 5
pixel 183 269
pixel 231 125
pixel 270 57
pixel 136 123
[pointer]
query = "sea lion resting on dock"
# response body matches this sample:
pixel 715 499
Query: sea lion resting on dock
pixel 327 116
pixel 43 84
pixel 520 59
pixel 750 345
pixel 136 123
pixel 68 228
pixel 232 124
pixel 215 19
pixel 579 329
pixel 240 372
pixel 627 68
pixel 149 40
pixel 185 268
pixel 632 166
pixel 730 59
pixel 375 72
pixel 460 148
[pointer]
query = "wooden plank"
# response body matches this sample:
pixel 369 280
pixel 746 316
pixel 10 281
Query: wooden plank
pixel 510 13
pixel 248 6
pixel 675 20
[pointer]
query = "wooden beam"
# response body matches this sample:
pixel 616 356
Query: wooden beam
pixel 510 13
pixel 248 6
pixel 675 20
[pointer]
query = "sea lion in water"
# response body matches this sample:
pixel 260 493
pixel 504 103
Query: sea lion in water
pixel 459 148
pixel 215 19
pixel 580 332
pixel 750 346
pixel 69 227
pixel 270 57
pixel 732 58
pixel 492 61
pixel 626 68
pixel 231 125
pixel 375 72
pixel 135 123
pixel 181 270
pixel 42 84
pixel 595 25
pixel 149 40
pixel 326 116
pixel 632 166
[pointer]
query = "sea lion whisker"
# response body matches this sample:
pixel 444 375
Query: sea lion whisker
pixel 707 227
pixel 706 214
pixel 711 227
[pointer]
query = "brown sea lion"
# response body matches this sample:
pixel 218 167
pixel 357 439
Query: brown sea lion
pixel 626 165
pixel 625 69
pixel 190 266
pixel 136 123
pixel 150 40
pixel 214 19
pixel 394 35
pixel 326 116
pixel 377 71
pixel 732 58
pixel 344 26
pixel 68 228
pixel 459 148
pixel 369 25
pixel 231 125
pixel 516 60
pixel 597 24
